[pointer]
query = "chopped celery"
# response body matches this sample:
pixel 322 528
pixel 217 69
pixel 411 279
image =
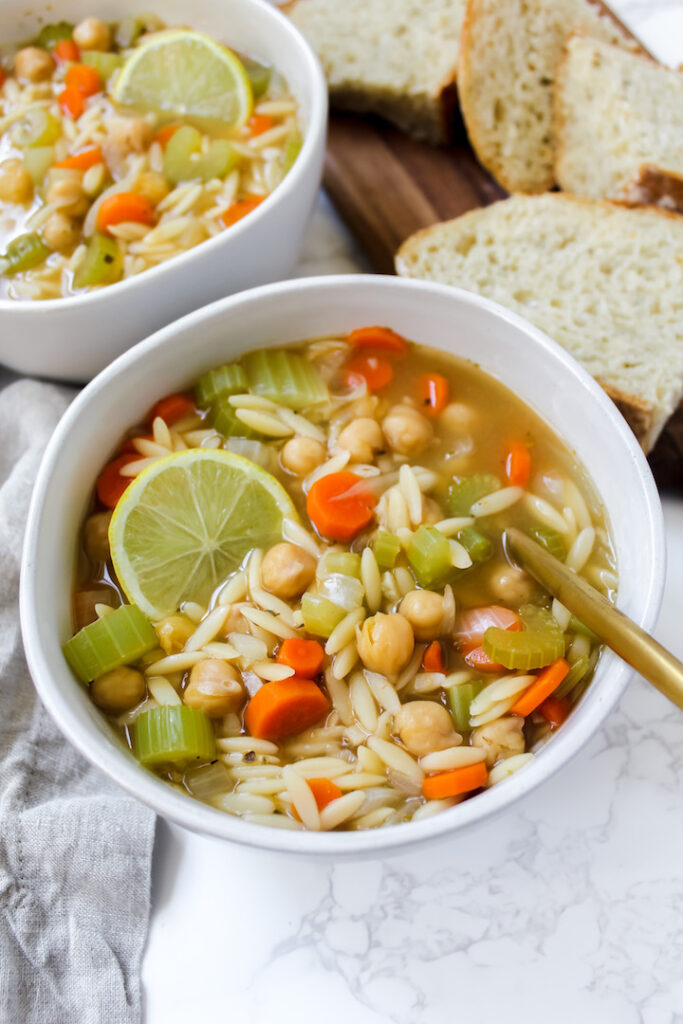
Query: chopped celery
pixel 550 540
pixel 320 615
pixel 536 618
pixel 37 127
pixel 459 699
pixel 530 648
pixel 184 160
pixel 292 149
pixel 225 420
pixel 284 377
pixel 104 63
pixel 37 161
pixel 128 30
pixel 57 32
pixel 224 380
pixel 344 591
pixel 576 626
pixel 574 676
pixel 258 75
pixel 476 544
pixel 463 494
pixel 347 563
pixel 173 735
pixel 102 263
pixel 386 548
pixel 429 554
pixel 23 253
pixel 120 638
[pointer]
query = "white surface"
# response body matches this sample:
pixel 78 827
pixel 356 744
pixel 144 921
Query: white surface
pixel 568 910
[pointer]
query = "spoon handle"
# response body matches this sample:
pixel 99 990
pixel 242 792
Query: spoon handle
pixel 629 641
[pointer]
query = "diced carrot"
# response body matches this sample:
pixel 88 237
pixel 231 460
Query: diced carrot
pixel 324 792
pixel 172 408
pixel 432 393
pixel 378 337
pixel 554 710
pixel 340 505
pixel 258 124
pixel 87 80
pixel 547 680
pixel 478 659
pixel 72 102
pixel 83 160
pixel 455 782
pixel 285 707
pixel 518 465
pixel 110 484
pixel 304 656
pixel 376 371
pixel 240 209
pixel 432 659
pixel 474 622
pixel 123 207
pixel 165 134
pixel 67 51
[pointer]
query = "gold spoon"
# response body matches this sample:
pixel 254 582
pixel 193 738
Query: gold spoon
pixel 625 638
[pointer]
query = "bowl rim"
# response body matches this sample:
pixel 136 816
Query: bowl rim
pixel 315 132
pixel 199 817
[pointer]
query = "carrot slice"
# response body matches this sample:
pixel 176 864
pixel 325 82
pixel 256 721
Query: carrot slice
pixel 547 680
pixel 110 484
pixel 285 707
pixel 455 782
pixel 340 505
pixel 83 160
pixel 432 393
pixel 518 465
pixel 304 656
pixel 478 659
pixel 324 792
pixel 85 79
pixel 173 408
pixel 378 337
pixel 123 207
pixel 165 134
pixel 258 124
pixel 66 50
pixel 240 209
pixel 472 625
pixel 554 710
pixel 72 102
pixel 376 371
pixel 432 659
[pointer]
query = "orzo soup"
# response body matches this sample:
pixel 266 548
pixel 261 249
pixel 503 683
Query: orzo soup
pixel 294 601
pixel 122 145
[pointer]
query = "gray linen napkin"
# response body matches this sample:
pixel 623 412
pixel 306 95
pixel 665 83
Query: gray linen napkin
pixel 75 851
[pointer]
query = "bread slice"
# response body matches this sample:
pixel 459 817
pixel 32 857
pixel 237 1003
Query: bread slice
pixel 395 58
pixel 614 112
pixel 604 281
pixel 510 51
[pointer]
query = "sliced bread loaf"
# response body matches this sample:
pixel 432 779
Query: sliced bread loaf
pixel 615 112
pixel 395 58
pixel 604 281
pixel 510 51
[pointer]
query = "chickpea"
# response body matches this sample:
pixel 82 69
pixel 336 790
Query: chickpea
pixel 407 431
pixel 287 570
pixel 152 185
pixel 16 185
pixel 500 739
pixel 386 643
pixel 214 687
pixel 61 232
pixel 129 134
pixel 458 418
pixel 512 585
pixel 33 63
pixel 236 622
pixel 92 34
pixel 424 726
pixel 424 611
pixel 302 455
pixel 118 690
pixel 68 196
pixel 96 536
pixel 174 631
pixel 361 438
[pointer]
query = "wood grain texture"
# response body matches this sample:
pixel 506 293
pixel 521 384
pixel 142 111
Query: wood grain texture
pixel 386 186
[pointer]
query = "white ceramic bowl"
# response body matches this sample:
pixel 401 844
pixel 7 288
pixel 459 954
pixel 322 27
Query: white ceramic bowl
pixel 538 370
pixel 74 338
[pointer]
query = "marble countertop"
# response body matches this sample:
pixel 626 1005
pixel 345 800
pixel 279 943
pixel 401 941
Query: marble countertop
pixel 567 909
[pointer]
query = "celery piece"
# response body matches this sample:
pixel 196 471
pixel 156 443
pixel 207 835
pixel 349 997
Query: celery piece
pixel 37 161
pixel 184 160
pixel 476 544
pixel 102 263
pixel 574 676
pixel 459 699
pixel 343 591
pixel 284 377
pixel 292 149
pixel 57 32
pixel 104 63
pixel 346 563
pixel 127 31
pixel 550 540
pixel 23 253
pixel 536 618
pixel 258 74
pixel 320 615
pixel 429 554
pixel 223 381
pixel 37 127
pixel 386 548
pixel 576 626
pixel 173 735
pixel 463 494
pixel 225 420
pixel 530 648
pixel 120 638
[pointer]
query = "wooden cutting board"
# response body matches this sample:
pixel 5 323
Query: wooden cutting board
pixel 386 185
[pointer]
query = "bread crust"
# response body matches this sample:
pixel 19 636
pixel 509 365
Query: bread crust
pixel 655 186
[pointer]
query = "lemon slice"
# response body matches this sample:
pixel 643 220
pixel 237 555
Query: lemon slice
pixel 187 521
pixel 188 74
